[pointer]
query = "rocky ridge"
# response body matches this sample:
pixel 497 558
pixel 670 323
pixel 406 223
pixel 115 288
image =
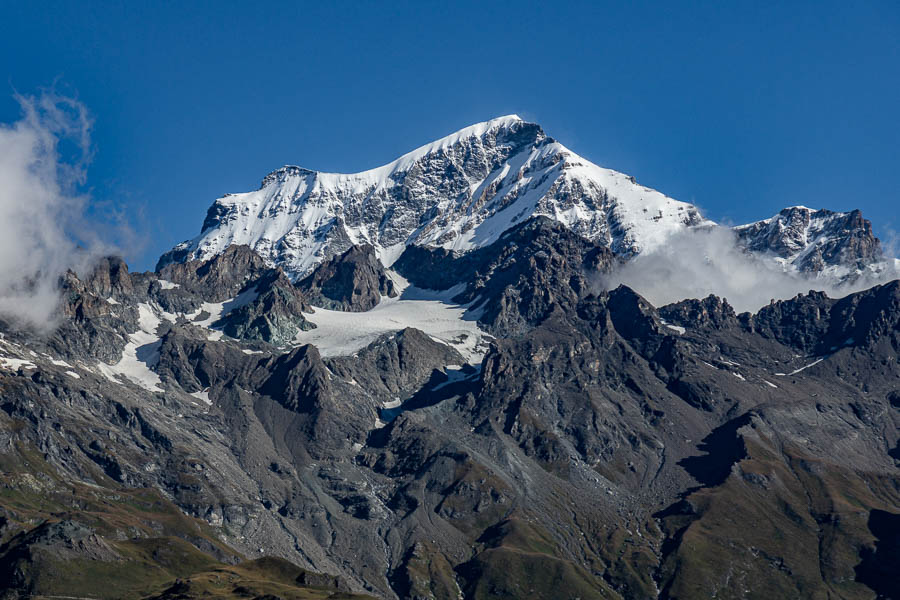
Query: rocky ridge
pixel 355 280
pixel 599 449
pixel 831 245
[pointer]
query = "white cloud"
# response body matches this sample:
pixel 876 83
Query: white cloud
pixel 42 230
pixel 700 262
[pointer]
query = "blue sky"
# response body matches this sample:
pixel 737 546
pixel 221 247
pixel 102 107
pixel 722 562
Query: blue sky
pixel 740 107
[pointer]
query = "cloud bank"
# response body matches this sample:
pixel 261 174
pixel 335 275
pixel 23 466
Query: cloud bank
pixel 43 232
pixel 697 263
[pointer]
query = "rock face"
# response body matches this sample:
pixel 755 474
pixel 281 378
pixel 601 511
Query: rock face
pixel 710 312
pixel 396 366
pixel 222 277
pixel 354 281
pixel 516 281
pixel 817 241
pixel 602 448
pixel 532 436
pixel 257 302
pixel 274 315
pixel 460 192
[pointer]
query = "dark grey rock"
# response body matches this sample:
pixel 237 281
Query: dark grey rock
pixel 594 438
pixel 516 282
pixel 275 316
pixel 353 281
pixel 815 239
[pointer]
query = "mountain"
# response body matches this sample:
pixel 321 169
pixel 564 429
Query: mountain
pixel 463 191
pixel 460 192
pixel 834 245
pixel 497 428
pixel 408 384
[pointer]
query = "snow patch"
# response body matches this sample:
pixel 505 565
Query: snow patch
pixel 676 328
pixel 203 396
pixel 395 403
pixel 389 255
pixel 217 310
pixel 140 355
pixel 15 364
pixel 456 373
pixel 339 333
pixel 806 367
pixel 795 371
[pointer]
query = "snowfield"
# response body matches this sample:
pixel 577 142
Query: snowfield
pixel 341 333
pixel 140 355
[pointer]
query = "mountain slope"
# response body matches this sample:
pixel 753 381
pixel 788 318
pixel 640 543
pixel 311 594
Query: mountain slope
pixel 477 421
pixel 597 448
pixel 460 192
pixel 836 245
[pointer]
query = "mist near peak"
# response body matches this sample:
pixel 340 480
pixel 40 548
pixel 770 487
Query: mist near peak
pixel 43 230
pixel 709 260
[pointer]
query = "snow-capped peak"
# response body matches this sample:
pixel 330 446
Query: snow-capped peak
pixel 817 241
pixel 382 175
pixel 478 130
pixel 459 192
